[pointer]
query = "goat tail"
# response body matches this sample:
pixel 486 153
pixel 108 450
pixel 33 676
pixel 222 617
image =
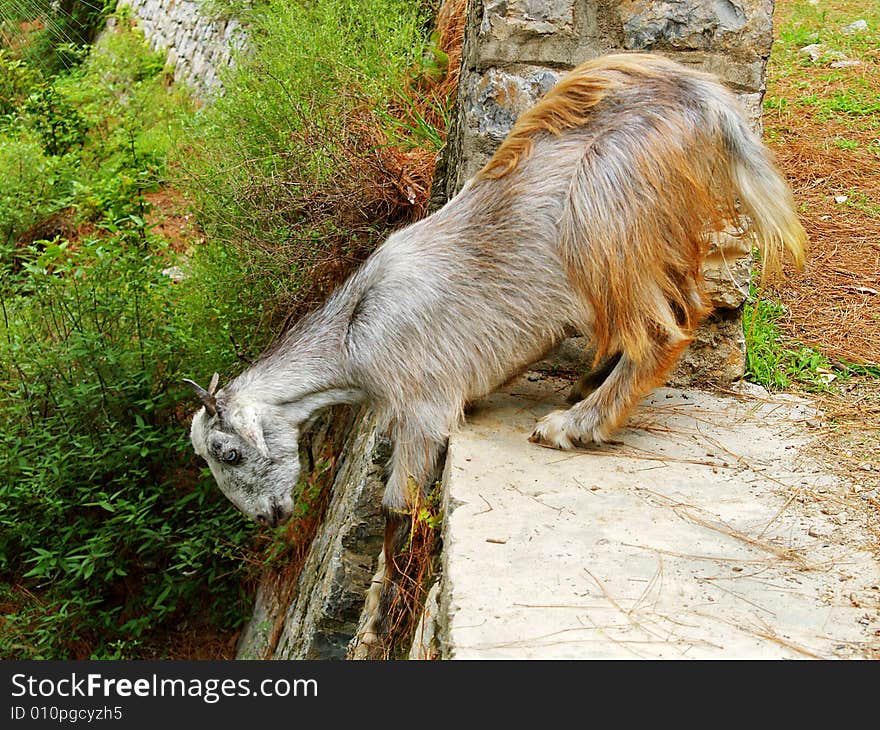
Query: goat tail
pixel 763 195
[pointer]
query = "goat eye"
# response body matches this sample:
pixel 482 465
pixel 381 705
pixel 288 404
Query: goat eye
pixel 231 457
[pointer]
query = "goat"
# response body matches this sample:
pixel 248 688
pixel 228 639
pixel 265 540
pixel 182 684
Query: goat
pixel 594 214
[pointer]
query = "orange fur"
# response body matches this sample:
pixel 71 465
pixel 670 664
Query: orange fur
pixel 565 106
pixel 634 253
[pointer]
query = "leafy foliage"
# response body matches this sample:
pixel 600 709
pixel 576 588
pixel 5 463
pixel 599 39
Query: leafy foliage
pixel 109 529
pixel 52 35
pixel 293 166
pixel 111 532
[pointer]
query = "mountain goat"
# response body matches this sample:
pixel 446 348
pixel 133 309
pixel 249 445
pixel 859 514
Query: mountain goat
pixel 593 215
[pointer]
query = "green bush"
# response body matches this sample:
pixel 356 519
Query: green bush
pixel 33 185
pixel 17 79
pixel 282 167
pixel 59 32
pixel 58 124
pixel 105 129
pixel 111 531
pixel 102 512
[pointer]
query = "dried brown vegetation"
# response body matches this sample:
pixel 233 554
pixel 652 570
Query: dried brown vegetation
pixel 831 156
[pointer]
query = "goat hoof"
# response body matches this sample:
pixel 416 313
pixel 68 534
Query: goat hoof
pixel 551 431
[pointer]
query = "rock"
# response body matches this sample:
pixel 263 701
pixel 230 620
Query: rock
pixel 752 390
pixel 727 269
pixel 506 19
pixel 314 615
pixel 198 47
pixel 717 353
pixel 858 26
pixel 490 103
pixel 175 273
pixel 538 564
pixel 814 51
pixel 495 100
pixel 426 639
pixel 818 52
pixel 845 63
pixel 698 25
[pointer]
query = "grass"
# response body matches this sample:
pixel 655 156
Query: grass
pixel 774 361
pixel 318 146
pixel 823 123
pixel 113 540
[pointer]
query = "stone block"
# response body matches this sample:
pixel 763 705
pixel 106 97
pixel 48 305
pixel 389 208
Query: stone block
pixel 489 105
pixel 202 45
pixel 741 27
pixel 727 270
pixel 717 353
pixel 504 20
pixel 494 100
pixel 316 616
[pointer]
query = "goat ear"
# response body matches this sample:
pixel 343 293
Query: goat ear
pixel 247 424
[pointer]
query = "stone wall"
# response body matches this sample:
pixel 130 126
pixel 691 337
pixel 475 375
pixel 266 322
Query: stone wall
pixel 314 613
pixel 199 45
pixel 515 50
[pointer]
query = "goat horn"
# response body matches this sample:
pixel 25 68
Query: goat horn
pixel 206 396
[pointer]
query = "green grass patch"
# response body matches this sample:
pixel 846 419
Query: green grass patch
pixel 774 362
pixel 800 24
pixel 287 166
pixel 845 144
pixel 857 100
pixel 860 201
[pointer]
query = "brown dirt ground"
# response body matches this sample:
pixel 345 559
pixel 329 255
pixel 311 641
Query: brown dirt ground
pixel 834 304
pixel 170 218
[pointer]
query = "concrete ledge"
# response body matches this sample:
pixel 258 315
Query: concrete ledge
pixel 685 540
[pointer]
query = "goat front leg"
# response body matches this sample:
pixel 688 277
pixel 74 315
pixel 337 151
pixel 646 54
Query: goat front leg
pixel 594 418
pixel 412 467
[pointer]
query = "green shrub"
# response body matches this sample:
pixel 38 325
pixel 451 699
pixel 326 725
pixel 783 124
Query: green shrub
pixel 103 513
pixel 59 125
pixel 59 30
pixel 286 166
pixel 33 185
pixel 111 531
pixel 17 79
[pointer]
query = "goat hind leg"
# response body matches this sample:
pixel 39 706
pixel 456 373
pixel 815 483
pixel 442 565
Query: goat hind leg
pixel 593 379
pixel 595 418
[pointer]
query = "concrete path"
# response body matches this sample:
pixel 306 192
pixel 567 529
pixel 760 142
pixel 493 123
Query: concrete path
pixel 708 532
